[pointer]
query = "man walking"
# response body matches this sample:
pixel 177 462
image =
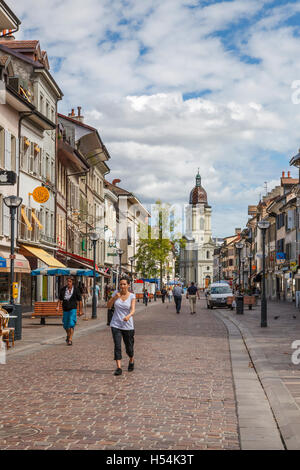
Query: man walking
pixel 163 294
pixel 70 298
pixel 192 292
pixel 177 293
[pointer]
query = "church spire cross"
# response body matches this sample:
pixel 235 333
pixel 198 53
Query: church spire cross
pixel 198 179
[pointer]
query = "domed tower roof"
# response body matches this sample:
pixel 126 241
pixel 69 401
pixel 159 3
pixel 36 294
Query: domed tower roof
pixel 198 195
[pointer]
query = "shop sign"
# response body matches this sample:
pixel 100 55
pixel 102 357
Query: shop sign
pixel 280 256
pixel 2 262
pixel 40 194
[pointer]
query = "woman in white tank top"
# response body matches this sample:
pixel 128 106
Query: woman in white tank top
pixel 122 324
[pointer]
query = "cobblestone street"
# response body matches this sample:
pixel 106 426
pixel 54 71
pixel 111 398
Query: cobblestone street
pixel 180 396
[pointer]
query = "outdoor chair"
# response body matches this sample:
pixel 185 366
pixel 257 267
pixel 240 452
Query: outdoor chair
pixel 6 331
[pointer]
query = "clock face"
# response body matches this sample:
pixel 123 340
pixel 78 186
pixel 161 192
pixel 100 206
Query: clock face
pixel 40 194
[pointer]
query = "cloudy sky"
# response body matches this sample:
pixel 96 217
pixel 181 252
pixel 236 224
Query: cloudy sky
pixel 173 85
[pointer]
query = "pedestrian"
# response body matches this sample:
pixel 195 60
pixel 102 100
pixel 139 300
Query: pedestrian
pixel 170 294
pixel 84 294
pixel 71 300
pixel 177 293
pixel 97 290
pixel 145 297
pixel 163 294
pixel 192 293
pixel 122 324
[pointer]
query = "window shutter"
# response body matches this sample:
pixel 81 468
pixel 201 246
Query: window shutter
pixel 6 218
pixel 17 156
pixel 7 161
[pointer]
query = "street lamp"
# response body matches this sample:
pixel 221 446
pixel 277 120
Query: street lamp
pixel 131 259
pixel 239 298
pixel 250 256
pixel 120 253
pixel 94 237
pixel 12 202
pixel 239 246
pixel 243 261
pixel 263 225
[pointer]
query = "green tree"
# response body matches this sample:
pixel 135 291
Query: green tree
pixel 158 242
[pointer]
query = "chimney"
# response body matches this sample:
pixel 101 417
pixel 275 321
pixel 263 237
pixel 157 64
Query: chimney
pixel 72 113
pixel 79 117
pixel 115 181
pixel 283 174
pixel 289 174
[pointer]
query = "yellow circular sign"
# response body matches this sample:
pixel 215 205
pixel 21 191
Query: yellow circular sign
pixel 41 194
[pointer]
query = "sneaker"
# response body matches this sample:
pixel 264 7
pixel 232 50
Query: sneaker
pixel 130 366
pixel 118 371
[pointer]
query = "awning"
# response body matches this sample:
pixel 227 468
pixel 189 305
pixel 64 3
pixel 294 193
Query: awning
pixel 80 259
pixel 21 264
pixel 43 256
pixel 84 262
pixel 37 220
pixel 64 272
pixel 26 220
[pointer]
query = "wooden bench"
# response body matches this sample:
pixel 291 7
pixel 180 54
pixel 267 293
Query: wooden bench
pixel 43 310
pixel 249 300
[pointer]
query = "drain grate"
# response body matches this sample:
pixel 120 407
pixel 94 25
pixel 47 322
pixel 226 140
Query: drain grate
pixel 20 430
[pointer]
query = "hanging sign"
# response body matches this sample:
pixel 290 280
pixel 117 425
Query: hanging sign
pixel 40 194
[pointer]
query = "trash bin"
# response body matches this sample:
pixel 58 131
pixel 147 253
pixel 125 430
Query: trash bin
pixel 16 323
pixel 239 304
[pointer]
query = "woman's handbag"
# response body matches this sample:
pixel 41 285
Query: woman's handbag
pixel 110 312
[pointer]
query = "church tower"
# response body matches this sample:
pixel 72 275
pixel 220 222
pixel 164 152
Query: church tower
pixel 196 260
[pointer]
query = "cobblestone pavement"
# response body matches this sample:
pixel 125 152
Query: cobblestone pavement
pixel 180 395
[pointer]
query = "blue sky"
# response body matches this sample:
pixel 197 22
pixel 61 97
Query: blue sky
pixel 177 85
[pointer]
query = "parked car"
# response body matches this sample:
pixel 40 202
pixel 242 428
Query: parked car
pixel 217 295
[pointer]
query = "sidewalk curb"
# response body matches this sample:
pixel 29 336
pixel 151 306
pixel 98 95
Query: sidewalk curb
pixel 283 405
pixel 258 429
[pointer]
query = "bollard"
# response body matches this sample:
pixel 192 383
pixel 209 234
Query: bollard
pixel 239 304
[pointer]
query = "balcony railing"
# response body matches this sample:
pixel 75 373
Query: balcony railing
pixel 46 238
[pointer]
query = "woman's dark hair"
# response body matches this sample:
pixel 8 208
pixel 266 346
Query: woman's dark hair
pixel 125 278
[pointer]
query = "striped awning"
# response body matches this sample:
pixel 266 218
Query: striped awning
pixel 64 272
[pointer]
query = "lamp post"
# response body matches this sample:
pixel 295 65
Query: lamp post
pixel 250 256
pixel 12 202
pixel 94 237
pixel 263 225
pixel 239 298
pixel 131 259
pixel 120 253
pixel 243 261
pixel 220 266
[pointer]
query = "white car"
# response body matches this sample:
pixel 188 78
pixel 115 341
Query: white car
pixel 217 295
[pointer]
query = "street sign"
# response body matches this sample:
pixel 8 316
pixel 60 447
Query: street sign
pixel 111 254
pixel 2 262
pixel 41 194
pixel 7 178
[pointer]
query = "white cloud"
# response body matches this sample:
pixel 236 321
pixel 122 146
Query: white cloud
pixel 129 63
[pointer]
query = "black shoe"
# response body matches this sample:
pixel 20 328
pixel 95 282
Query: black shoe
pixel 118 371
pixel 130 366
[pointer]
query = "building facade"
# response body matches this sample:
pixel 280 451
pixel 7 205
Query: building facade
pixel 196 259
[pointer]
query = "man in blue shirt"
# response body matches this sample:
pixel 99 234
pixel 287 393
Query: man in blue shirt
pixel 192 292
pixel 177 293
